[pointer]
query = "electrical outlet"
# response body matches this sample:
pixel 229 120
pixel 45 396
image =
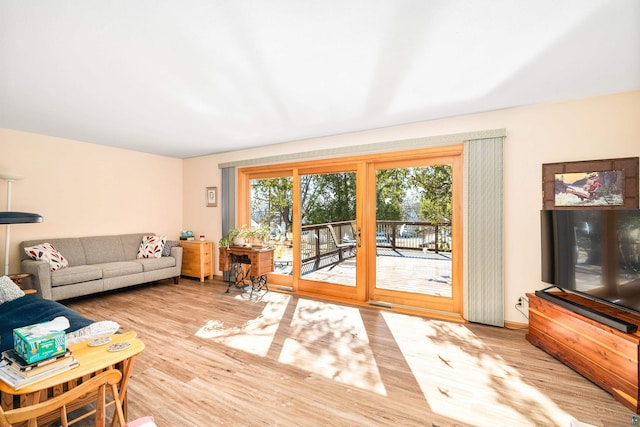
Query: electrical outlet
pixel 520 301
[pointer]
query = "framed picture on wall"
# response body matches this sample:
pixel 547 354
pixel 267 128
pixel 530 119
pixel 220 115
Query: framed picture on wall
pixel 597 184
pixel 212 196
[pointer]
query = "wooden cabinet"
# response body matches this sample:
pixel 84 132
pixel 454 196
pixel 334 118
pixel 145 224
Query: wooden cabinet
pixel 602 354
pixel 197 259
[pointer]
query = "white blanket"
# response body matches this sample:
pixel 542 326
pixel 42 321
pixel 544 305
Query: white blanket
pixel 94 330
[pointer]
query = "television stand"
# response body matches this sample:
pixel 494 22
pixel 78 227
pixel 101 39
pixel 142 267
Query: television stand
pixel 599 352
pixel 595 314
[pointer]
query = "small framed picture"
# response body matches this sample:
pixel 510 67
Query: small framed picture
pixel 212 196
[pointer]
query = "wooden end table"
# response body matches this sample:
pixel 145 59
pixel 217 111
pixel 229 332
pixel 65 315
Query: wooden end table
pixel 17 279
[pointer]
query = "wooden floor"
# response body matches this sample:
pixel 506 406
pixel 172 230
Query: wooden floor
pixel 280 360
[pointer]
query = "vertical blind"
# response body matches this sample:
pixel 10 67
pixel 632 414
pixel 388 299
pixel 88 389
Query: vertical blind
pixel 483 231
pixel 228 203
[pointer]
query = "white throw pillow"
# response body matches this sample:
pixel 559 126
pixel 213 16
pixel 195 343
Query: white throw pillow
pixel 151 246
pixel 47 252
pixel 9 290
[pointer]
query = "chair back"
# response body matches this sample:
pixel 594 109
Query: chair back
pixel 99 382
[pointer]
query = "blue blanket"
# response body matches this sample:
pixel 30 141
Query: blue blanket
pixel 31 309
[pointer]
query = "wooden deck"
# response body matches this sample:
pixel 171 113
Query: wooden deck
pixel 401 269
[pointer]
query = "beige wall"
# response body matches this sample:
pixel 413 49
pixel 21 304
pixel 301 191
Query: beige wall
pixel 85 189
pixel 594 128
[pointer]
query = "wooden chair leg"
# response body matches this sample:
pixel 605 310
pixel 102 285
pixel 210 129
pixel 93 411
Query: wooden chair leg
pixel 119 413
pixel 100 411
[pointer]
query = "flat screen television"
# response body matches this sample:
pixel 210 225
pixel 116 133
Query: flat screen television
pixel 594 252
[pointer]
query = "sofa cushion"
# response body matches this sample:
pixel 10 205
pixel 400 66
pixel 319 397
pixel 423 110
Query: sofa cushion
pixel 47 252
pixel 120 268
pixel 77 274
pixel 149 264
pixel 151 246
pixel 101 249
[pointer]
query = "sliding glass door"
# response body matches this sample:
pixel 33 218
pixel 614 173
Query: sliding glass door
pixel 328 200
pixel 384 229
pixel 416 249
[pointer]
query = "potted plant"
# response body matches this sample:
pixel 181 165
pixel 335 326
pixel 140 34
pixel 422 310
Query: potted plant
pixel 254 235
pixel 224 242
pixel 244 236
pixel 228 239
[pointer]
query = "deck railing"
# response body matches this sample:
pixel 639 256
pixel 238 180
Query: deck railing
pixel 413 235
pixel 324 245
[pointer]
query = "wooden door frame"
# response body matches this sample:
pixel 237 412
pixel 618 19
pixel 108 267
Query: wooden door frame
pixel 332 290
pixel 364 168
pixel 455 303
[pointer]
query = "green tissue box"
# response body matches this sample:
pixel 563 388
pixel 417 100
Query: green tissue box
pixel 33 346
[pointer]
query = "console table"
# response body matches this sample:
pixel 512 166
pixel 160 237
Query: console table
pixel 259 262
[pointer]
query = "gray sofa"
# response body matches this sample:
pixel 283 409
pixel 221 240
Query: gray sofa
pixel 97 264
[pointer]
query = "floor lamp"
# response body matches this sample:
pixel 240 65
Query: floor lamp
pixel 9 218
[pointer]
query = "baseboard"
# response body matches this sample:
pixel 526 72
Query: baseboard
pixel 516 325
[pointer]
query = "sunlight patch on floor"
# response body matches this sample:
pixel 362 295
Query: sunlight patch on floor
pixel 331 340
pixel 255 335
pixel 480 372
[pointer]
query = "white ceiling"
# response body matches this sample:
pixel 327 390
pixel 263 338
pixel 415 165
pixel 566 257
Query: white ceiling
pixel 194 77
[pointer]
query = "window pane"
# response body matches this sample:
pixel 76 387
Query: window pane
pixel 413 230
pixel 327 244
pixel 272 205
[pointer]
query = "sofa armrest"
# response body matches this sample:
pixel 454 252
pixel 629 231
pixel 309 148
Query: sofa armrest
pixel 176 252
pixel 40 279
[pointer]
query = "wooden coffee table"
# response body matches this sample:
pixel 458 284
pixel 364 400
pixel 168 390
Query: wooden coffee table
pixel 91 360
